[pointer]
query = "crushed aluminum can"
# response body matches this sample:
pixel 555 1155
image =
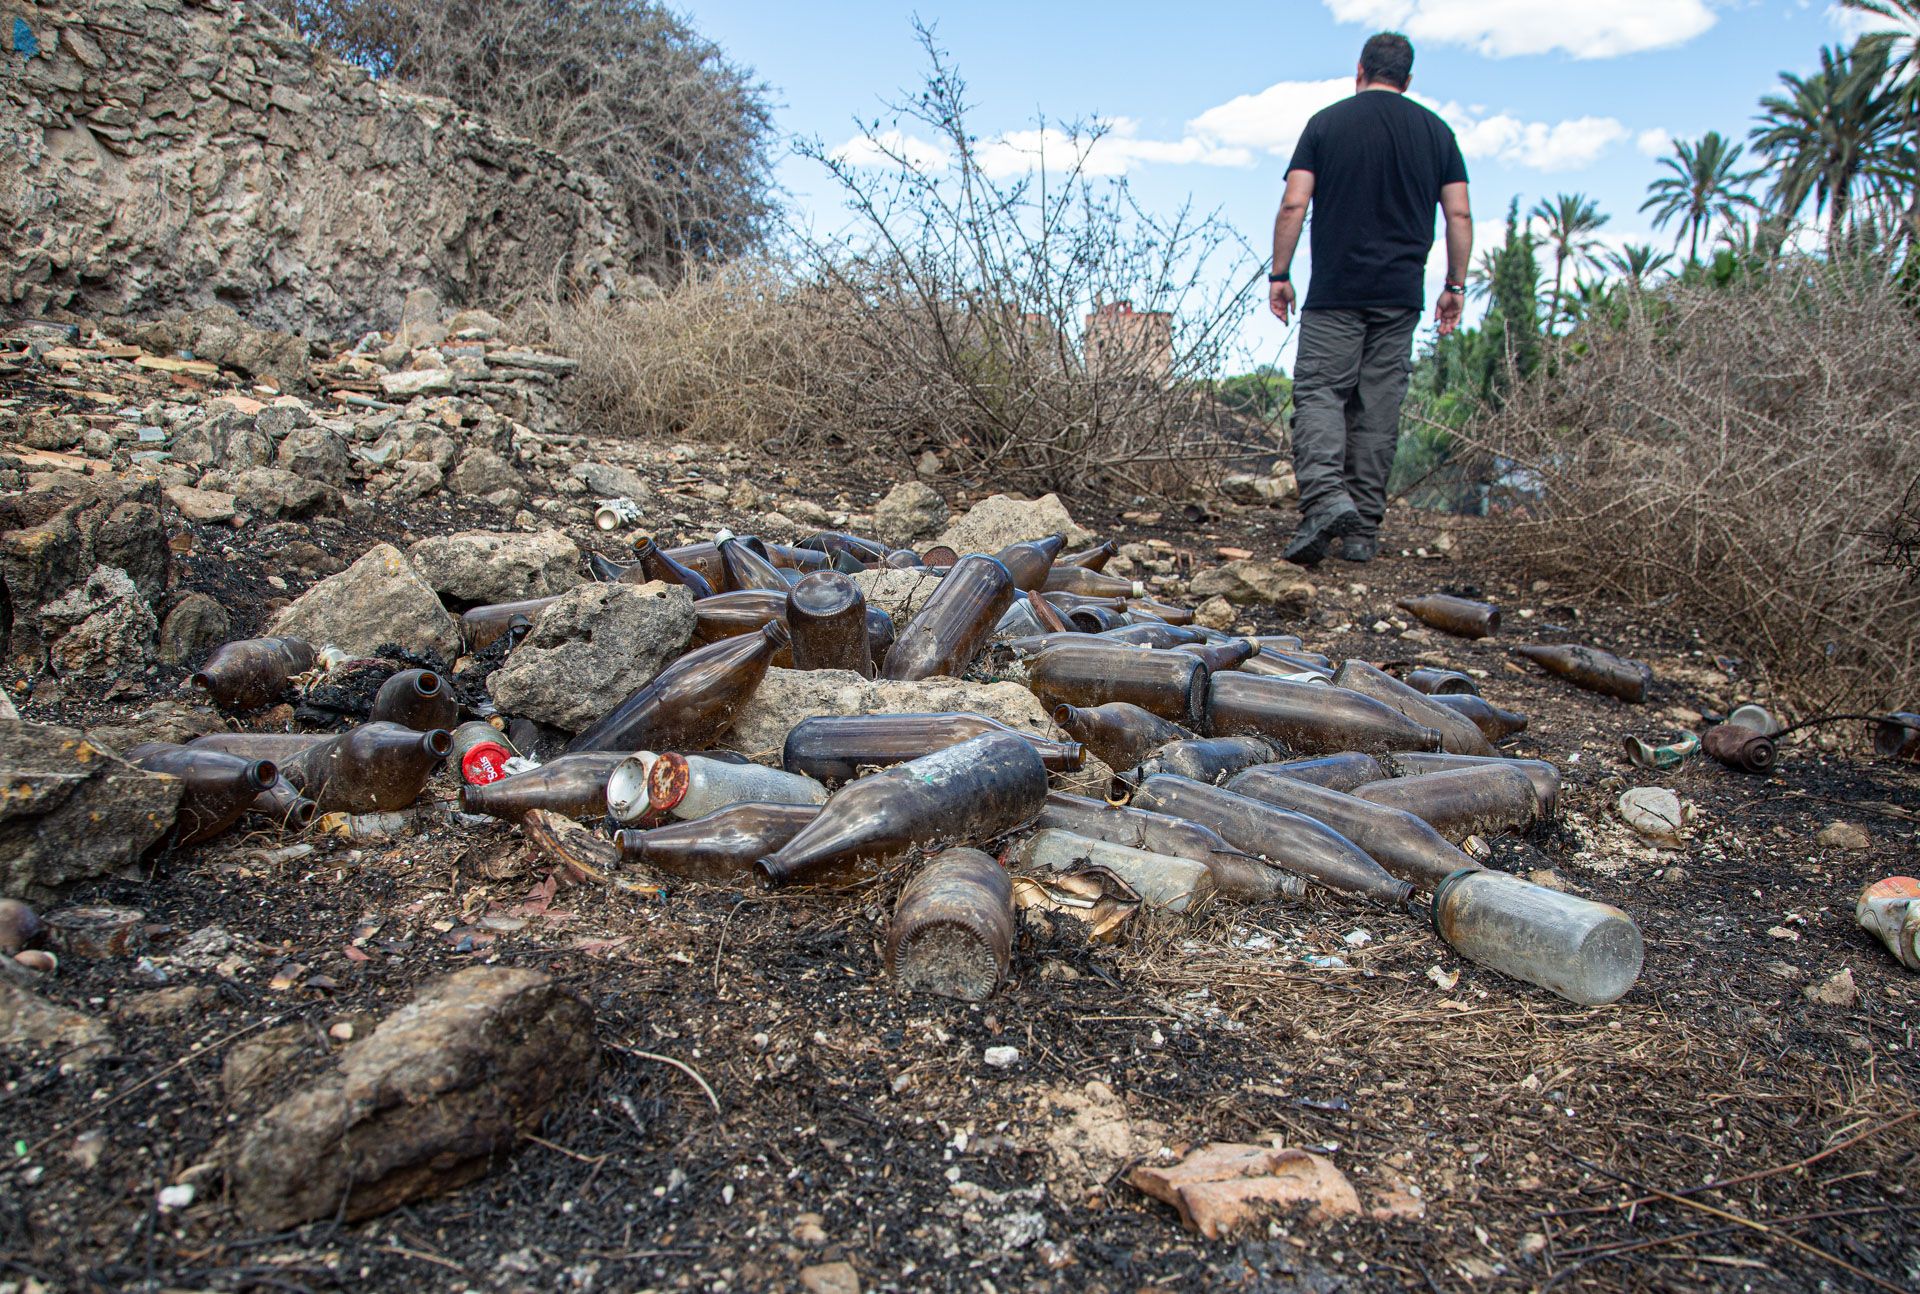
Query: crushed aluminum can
pixel 1669 754
pixel 1890 909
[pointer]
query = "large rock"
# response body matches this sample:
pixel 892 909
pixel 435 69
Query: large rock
pixel 787 696
pixel 276 492
pixel 611 482
pixel 225 440
pixel 54 535
pixel 218 333
pixel 911 511
pixel 379 599
pixel 195 626
pixel 478 566
pixel 483 472
pixel 592 648
pixel 71 810
pixel 899 593
pixel 105 627
pixel 995 522
pixel 28 1021
pixel 316 453
pixel 1252 582
pixel 439 1093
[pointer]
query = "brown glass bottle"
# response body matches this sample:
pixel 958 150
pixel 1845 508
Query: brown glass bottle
pixel 1204 759
pixel 728 615
pixel 1495 724
pixel 1082 580
pixel 879 637
pixel 827 616
pixel 1313 718
pixel 607 571
pixel 869 552
pixel 1220 656
pixel 1045 614
pixel 805 560
pixel 1074 601
pixel 375 768
pixel 903 559
pixel 1458 734
pixel 1170 684
pixel 1033 644
pixel 572 785
pixel 952 928
pixel 1029 560
pixel 1397 840
pixel 691 702
pixel 1740 747
pixel 1097 619
pixel 1592 669
pixel 1441 682
pixel 1264 665
pixel 481 627
pixel 1119 733
pixel 1094 558
pixel 1155 609
pixel 703 557
pixel 1300 662
pixel 1293 841
pixel 975 791
pixel 253 672
pixel 1462 617
pixel 1544 776
pixel 1236 874
pixel 1485 801
pixel 215 788
pixel 657 564
pixel 721 848
pixel 284 807
pixel 940 557
pixel 416 698
pixel 1155 633
pixel 954 623
pixel 747 569
pixel 834 748
pixel 1342 772
pixel 1897 736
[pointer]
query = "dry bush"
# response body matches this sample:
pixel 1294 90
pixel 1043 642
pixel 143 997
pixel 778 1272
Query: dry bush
pixel 623 88
pixel 1737 457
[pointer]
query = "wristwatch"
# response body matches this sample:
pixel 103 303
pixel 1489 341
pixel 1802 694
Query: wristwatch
pixel 1282 277
pixel 1458 288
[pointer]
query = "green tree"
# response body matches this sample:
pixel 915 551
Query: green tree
pixel 1635 263
pixel 1830 135
pixel 1901 44
pixel 1571 220
pixel 1703 183
pixel 1516 295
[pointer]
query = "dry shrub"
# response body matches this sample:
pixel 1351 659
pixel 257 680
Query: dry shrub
pixel 1736 456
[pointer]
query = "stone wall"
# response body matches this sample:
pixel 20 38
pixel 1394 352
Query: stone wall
pixel 158 155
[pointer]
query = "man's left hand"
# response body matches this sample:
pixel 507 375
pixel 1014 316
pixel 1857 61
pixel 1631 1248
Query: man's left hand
pixel 1280 300
pixel 1446 311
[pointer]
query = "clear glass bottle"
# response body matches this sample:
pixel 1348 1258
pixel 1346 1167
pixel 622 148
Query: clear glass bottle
pixel 1586 952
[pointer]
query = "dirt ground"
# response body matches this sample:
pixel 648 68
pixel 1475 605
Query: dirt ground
pixel 1717 1128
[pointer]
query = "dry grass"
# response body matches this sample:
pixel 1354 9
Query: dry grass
pixel 1736 457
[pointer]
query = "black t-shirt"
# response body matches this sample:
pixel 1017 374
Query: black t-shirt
pixel 1378 161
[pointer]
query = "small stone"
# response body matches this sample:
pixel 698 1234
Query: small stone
pixel 1837 990
pixel 1001 1057
pixel 315 453
pixel 483 472
pixel 420 320
pixel 1214 613
pixel 175 1197
pixel 109 628
pixel 28 1020
pixel 276 492
pixel 164 1004
pixel 830 1278
pixel 928 464
pixel 809 1229
pixel 911 511
pixel 1656 813
pixel 210 507
pixel 611 482
pixel 1844 835
pixel 195 626
pixel 408 383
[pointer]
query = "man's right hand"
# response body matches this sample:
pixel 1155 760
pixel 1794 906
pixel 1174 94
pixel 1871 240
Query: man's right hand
pixel 1446 312
pixel 1280 300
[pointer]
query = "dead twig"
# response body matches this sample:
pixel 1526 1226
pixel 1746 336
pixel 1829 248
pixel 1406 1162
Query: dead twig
pixel 680 1065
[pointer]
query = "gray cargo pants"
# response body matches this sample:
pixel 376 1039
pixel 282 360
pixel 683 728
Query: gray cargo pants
pixel 1349 378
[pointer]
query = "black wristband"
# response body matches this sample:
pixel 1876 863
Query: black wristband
pixel 1457 289
pixel 1284 276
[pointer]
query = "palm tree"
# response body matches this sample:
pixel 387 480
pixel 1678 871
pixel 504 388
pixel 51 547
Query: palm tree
pixel 1901 40
pixel 1571 220
pixel 1830 134
pixel 1704 184
pixel 1635 263
pixel 1480 277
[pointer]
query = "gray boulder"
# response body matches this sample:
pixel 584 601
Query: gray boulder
pixel 195 625
pixel 438 1094
pixel 218 333
pixel 611 482
pixel 104 626
pixel 592 648
pixel 73 810
pixel 899 593
pixel 483 472
pixel 315 453
pixel 379 599
pixel 54 535
pixel 995 522
pixel 1252 582
pixel 911 511
pixel 478 566
pixel 28 1022
pixel 276 492
pixel 226 440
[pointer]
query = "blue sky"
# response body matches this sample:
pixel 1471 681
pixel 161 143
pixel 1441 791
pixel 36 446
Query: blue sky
pixel 1206 100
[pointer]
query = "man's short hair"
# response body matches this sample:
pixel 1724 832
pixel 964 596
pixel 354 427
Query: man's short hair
pixel 1387 59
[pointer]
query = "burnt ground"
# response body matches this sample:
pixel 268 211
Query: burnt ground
pixel 1531 1144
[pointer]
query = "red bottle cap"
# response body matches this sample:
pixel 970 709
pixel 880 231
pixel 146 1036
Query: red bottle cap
pixel 484 763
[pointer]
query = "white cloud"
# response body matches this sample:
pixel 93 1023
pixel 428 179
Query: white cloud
pixel 1115 152
pixel 1542 146
pixel 1655 141
pixel 1505 28
pixel 1272 119
pixel 889 147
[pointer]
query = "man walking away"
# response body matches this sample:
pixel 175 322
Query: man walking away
pixel 1373 167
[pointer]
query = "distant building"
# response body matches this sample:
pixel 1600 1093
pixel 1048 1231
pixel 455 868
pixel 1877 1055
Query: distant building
pixel 1118 337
